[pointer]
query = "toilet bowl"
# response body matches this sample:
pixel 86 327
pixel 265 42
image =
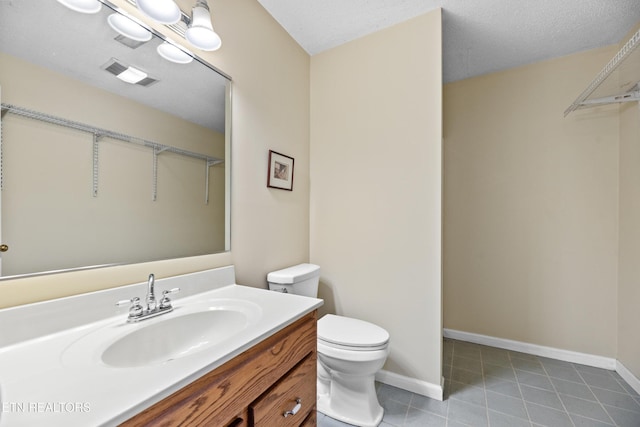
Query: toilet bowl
pixel 350 353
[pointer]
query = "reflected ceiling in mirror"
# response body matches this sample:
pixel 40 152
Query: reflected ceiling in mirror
pixel 82 45
pixel 46 169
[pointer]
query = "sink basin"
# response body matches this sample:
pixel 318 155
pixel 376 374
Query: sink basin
pixel 173 338
pixel 185 331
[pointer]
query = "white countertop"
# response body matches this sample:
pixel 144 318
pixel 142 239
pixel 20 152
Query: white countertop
pixel 40 385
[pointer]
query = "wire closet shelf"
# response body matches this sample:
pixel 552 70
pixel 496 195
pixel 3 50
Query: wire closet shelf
pixel 629 91
pixel 99 133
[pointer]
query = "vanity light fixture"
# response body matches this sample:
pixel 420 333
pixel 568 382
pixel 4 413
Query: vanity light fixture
pixel 200 31
pixel 128 28
pixel 163 11
pixel 173 53
pixel 82 6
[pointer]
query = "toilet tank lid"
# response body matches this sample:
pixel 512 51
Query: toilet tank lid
pixel 293 274
pixel 351 332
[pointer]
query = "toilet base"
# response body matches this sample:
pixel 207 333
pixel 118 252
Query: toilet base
pixel 353 401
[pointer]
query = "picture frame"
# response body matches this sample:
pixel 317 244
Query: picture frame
pixel 280 174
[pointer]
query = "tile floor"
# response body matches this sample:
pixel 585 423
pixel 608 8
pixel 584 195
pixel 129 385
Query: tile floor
pixel 487 386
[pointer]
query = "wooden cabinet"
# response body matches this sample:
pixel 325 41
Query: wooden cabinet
pixel 255 388
pixel 288 402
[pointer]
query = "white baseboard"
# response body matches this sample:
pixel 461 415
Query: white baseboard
pixel 539 350
pixel 626 375
pixel 413 385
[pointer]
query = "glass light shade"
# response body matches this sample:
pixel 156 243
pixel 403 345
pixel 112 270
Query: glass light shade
pixel 128 27
pixel 163 11
pixel 173 53
pixel 200 32
pixel 132 75
pixel 82 6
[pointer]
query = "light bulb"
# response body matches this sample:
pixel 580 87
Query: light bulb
pixel 128 28
pixel 82 6
pixel 200 32
pixel 163 11
pixel 173 53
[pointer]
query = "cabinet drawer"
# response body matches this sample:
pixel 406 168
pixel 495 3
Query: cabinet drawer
pixel 299 383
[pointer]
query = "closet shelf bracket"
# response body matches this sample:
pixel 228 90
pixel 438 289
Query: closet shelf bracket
pixel 210 163
pixel 625 97
pixel 628 94
pixel 96 155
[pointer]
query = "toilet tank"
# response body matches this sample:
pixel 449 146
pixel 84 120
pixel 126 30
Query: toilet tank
pixel 301 279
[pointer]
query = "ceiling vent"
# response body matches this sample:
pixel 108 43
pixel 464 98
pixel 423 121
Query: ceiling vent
pixel 130 43
pixel 124 72
pixel 146 82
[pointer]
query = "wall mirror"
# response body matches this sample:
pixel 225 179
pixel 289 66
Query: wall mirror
pixel 114 148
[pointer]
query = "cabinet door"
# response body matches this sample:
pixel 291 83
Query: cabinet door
pixel 297 387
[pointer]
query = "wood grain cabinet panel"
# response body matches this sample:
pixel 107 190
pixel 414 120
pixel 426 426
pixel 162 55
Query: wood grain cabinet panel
pixel 257 380
pixel 274 407
pixel 311 420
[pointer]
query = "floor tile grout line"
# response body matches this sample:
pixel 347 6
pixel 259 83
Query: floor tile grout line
pixel 566 411
pixel 406 414
pixel 486 391
pixel 484 388
pixel 610 391
pixel 453 350
pixel 526 409
pixel 562 379
pixel 604 408
pixel 451 381
pixel 597 399
pixel 623 384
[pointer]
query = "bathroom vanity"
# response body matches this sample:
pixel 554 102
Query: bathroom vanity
pixel 227 355
pixel 271 384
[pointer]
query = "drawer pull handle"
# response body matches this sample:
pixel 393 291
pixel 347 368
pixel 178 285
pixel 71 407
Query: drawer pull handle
pixel 295 408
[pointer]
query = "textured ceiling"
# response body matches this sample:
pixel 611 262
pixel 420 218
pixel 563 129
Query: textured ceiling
pixel 479 36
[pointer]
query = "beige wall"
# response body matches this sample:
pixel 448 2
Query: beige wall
pixel 376 128
pixel 270 228
pixel 629 288
pixel 270 71
pixel 530 207
pixel 629 247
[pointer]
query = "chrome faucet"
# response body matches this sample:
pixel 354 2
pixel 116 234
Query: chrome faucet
pixel 151 296
pixel 153 309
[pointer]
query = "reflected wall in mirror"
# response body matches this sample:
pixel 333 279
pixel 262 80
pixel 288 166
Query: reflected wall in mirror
pixel 148 179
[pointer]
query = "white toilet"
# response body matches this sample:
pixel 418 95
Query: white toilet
pixel 350 352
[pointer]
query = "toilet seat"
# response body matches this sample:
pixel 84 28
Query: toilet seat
pixel 346 333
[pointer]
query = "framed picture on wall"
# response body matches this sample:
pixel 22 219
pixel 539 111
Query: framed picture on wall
pixel 280 171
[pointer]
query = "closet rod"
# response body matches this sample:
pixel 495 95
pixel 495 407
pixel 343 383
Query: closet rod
pixel 105 133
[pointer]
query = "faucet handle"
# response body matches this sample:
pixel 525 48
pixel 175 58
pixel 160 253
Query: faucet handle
pixel 135 310
pixel 165 302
